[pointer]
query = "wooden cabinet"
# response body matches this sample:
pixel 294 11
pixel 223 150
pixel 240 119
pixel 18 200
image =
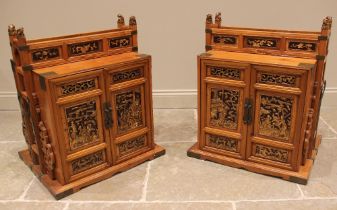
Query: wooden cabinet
pixel 86 104
pixel 259 95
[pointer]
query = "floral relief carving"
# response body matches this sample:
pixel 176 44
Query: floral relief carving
pixel 85 48
pixel 261 42
pixel 223 143
pixel 271 153
pixel 45 54
pixel 223 39
pixel 303 46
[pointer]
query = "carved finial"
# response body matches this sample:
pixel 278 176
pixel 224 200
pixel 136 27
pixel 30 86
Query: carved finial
pixel 11 30
pixel 209 19
pixel 218 18
pixel 327 22
pixel 120 21
pixel 132 21
pixel 20 32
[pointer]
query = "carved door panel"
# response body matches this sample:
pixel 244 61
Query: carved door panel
pixel 278 102
pixel 130 113
pixel 225 87
pixel 79 101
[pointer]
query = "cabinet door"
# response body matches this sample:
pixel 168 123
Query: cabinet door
pixel 83 147
pixel 131 110
pixel 224 88
pixel 278 98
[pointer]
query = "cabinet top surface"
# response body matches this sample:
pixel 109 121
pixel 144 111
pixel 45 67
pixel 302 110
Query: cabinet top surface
pixel 290 62
pixel 71 68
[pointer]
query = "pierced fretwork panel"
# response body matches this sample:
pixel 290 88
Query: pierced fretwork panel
pixel 129 110
pixel 225 72
pixel 275 116
pixel 277 79
pixel 224 105
pixel 81 122
pixel 222 143
pixel 77 87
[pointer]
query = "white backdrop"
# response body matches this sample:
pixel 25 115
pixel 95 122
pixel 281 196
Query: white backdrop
pixel 171 31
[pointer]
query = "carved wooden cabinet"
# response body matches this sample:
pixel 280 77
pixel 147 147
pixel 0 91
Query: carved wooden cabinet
pixel 259 95
pixel 86 102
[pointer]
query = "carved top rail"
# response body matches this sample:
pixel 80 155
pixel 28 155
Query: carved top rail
pixel 40 53
pixel 303 44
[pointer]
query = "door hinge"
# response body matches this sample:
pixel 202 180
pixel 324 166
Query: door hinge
pixel 107 115
pixel 247 117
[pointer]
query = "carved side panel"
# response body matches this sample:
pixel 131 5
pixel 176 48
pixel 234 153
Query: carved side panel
pixel 225 72
pixel 120 42
pixel 271 153
pixel 81 124
pixel 129 110
pixel 302 46
pixel 224 39
pixel 123 76
pixel 48 154
pixel 224 105
pixel 87 162
pixel 277 79
pixel 77 87
pixel 222 143
pixel 262 42
pixel 275 116
pixel 85 48
pixel 131 145
pixel 45 54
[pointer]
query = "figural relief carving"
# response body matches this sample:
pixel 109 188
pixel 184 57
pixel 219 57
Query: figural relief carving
pixel 77 87
pixel 222 142
pixel 129 110
pixel 87 162
pixel 131 145
pixel 271 153
pixel 275 116
pixel 224 108
pixel 81 120
pixel 277 79
pixel 225 72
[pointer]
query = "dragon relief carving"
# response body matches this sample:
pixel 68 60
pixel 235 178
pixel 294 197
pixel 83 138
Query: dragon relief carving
pixel 224 108
pixel 224 39
pixel 223 143
pixel 78 87
pixel 129 110
pixel 45 54
pixel 85 48
pixel 275 116
pixel 303 46
pixel 225 72
pixel 271 153
pixel 261 42
pixel 87 162
pixel 131 145
pixel 48 154
pixel 81 121
pixel 126 75
pixel 277 79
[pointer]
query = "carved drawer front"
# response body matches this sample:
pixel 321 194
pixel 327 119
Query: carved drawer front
pixel 225 90
pixel 131 147
pixel 88 163
pixel 127 75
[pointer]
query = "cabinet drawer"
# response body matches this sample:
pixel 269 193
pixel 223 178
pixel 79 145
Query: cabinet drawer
pixel 70 88
pixel 126 75
pixel 225 70
pixel 131 147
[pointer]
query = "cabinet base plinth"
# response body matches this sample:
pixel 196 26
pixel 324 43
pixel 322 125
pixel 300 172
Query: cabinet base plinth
pixel 60 191
pixel 300 177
